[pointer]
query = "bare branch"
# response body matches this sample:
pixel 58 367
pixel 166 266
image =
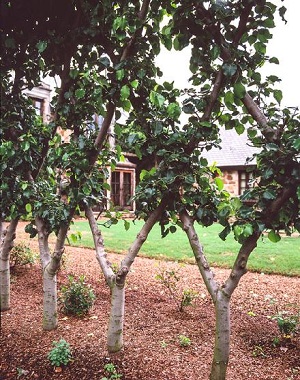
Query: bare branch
pixel 142 235
pixel 206 272
pixel 99 246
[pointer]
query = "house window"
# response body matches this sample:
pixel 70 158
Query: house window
pixel 245 181
pixel 122 189
pixel 38 104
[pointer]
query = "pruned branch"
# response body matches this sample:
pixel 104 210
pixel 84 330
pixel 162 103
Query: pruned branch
pixel 240 265
pixel 142 235
pixel 99 246
pixel 206 272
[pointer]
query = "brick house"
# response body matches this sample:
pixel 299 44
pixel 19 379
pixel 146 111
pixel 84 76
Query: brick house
pixel 232 160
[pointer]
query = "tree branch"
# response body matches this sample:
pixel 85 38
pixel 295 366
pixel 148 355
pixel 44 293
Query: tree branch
pixel 240 265
pixel 99 247
pixel 142 235
pixel 207 274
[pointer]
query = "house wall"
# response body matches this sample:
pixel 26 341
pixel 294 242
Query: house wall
pixel 231 181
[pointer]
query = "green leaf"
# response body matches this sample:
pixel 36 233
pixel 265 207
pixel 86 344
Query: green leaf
pixel 134 83
pixel 157 128
pixel 120 74
pixel 41 46
pixel 274 60
pixel 269 194
pixel 126 224
pixel 28 207
pixel 177 44
pixel 219 183
pixel 156 99
pixel 248 230
pixel 79 93
pixel 215 52
pixel 273 236
pixel 105 61
pixel 174 110
pixel 239 90
pixel 278 95
pixel 125 92
pixel 229 69
pixel 126 104
pixel 239 128
pixel 168 86
pixel 296 144
pixel 206 124
pixel 272 147
pixel 269 23
pixel 173 229
pixel 229 99
pixel 119 23
pixel 188 108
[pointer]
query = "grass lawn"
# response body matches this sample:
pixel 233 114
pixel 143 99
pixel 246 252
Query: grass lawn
pixel 282 257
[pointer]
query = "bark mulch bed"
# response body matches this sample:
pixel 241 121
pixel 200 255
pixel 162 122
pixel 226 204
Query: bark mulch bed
pixel 152 327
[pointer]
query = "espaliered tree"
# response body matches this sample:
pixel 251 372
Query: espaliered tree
pixel 228 47
pixel 97 52
pixel 103 55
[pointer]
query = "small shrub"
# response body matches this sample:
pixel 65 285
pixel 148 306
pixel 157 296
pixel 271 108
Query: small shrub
pixel 170 280
pixel 76 297
pixel 287 324
pixel 111 372
pixel 184 341
pixel 188 297
pixel 21 255
pixel 60 353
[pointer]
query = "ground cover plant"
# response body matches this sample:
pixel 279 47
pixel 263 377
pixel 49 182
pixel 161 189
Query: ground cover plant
pixel 282 257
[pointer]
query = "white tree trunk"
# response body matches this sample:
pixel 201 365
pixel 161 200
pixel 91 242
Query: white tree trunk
pixel 50 265
pixel 50 319
pixel 7 239
pixel 116 319
pixel 222 337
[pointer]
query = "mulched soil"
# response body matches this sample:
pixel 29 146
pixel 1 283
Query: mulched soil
pixel 152 326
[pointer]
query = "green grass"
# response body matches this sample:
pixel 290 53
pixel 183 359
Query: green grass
pixel 282 257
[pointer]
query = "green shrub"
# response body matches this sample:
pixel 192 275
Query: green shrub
pixel 111 372
pixel 76 297
pixel 60 353
pixel 21 255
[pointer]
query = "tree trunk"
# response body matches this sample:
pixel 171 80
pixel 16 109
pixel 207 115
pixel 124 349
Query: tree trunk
pixel 7 238
pixel 116 319
pixel 50 319
pixel 222 337
pixel 50 265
